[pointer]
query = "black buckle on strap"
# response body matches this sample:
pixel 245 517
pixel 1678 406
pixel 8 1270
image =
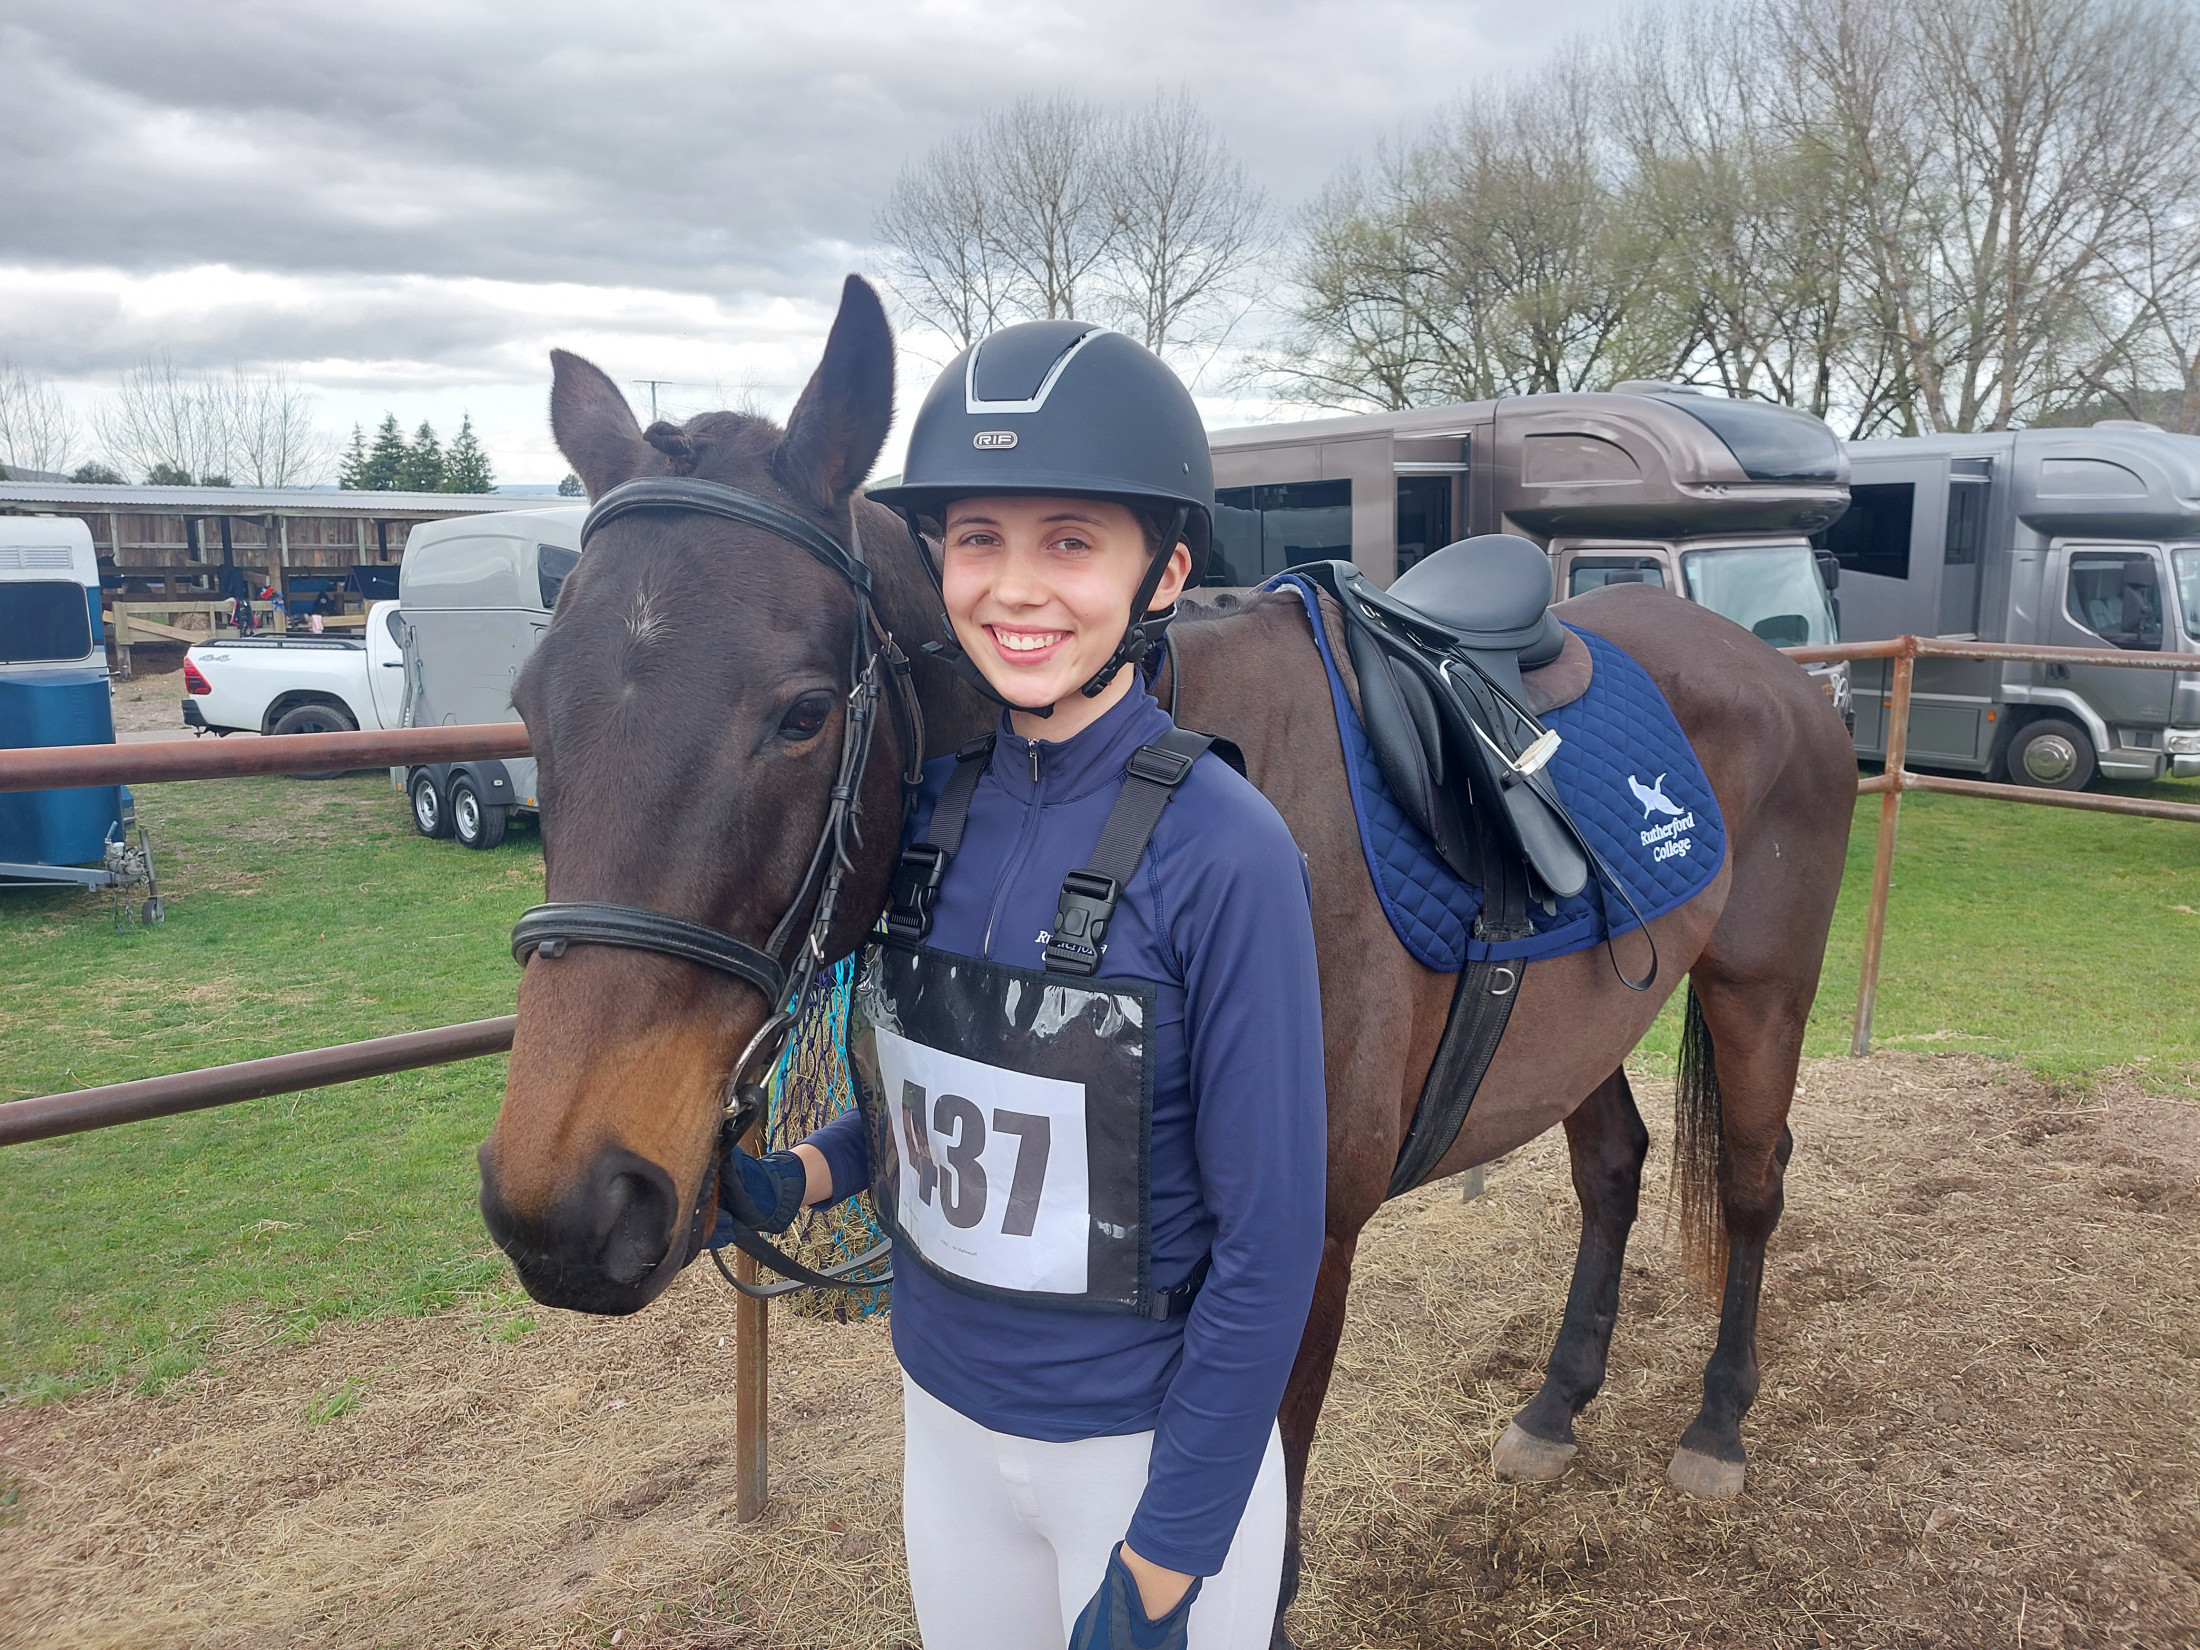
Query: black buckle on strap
pixel 1174 1303
pixel 917 880
pixel 1081 923
pixel 1159 766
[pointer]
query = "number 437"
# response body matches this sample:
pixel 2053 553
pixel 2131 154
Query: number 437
pixel 956 1172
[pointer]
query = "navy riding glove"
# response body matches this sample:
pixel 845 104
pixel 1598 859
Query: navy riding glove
pixel 1116 1618
pixel 764 1193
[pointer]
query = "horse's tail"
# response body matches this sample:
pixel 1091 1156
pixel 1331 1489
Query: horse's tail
pixel 1699 1152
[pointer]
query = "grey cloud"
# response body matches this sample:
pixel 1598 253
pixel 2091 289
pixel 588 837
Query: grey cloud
pixel 733 150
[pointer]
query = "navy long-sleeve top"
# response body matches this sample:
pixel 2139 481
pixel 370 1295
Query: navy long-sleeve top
pixel 1217 917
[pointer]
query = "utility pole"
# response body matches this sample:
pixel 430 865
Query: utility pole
pixel 654 384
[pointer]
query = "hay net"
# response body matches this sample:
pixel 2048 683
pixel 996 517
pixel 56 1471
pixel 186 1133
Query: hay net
pixel 808 1089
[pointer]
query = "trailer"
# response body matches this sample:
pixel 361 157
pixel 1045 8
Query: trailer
pixel 1713 499
pixel 2068 538
pixel 475 595
pixel 54 691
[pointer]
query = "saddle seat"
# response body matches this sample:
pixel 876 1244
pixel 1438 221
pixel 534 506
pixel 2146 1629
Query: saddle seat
pixel 1492 592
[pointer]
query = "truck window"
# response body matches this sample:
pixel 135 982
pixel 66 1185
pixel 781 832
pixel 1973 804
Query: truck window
pixel 44 621
pixel 2187 563
pixel 552 563
pixel 2118 597
pixel 1424 517
pixel 1261 531
pixel 1595 572
pixel 1771 590
pixel 1959 581
pixel 1874 535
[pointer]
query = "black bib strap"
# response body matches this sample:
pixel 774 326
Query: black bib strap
pixel 1089 896
pixel 923 865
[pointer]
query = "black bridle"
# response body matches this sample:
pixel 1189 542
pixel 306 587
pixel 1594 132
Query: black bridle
pixel 874 662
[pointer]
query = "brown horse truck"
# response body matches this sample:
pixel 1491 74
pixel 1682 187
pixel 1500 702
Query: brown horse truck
pixel 1711 498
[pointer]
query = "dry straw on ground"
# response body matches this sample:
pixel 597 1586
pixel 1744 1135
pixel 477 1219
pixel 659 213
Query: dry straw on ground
pixel 1981 1349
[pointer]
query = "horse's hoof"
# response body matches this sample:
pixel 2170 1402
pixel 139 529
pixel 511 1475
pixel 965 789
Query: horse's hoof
pixel 1520 1457
pixel 1705 1477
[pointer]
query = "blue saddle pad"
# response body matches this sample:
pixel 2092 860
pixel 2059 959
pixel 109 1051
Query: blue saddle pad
pixel 1624 769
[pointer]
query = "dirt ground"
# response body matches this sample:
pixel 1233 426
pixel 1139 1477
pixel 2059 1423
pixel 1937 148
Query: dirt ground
pixel 1981 1352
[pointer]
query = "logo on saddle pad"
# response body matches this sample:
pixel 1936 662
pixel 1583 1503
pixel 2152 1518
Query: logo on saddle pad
pixel 1653 798
pixel 1667 835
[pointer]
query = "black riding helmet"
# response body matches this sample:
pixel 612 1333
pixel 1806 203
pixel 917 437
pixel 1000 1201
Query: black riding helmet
pixel 1062 409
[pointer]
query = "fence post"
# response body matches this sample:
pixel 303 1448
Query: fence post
pixel 751 1387
pixel 1890 815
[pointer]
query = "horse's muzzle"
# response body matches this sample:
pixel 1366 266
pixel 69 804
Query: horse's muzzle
pixel 606 1246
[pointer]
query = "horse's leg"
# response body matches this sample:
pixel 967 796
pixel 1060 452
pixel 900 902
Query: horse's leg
pixel 1755 1027
pixel 1302 1403
pixel 1607 1143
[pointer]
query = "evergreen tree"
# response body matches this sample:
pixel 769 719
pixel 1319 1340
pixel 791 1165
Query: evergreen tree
pixel 165 474
pixel 351 473
pixel 466 466
pixel 386 458
pixel 571 487
pixel 422 469
pixel 95 472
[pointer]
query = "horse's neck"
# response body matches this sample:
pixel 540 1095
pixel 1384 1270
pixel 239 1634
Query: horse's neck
pixel 909 608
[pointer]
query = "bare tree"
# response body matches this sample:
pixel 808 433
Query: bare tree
pixel 273 441
pixel 1489 257
pixel 1189 224
pixel 946 266
pixel 37 431
pixel 1053 209
pixel 208 427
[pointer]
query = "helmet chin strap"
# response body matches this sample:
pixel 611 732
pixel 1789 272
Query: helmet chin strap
pixel 1145 629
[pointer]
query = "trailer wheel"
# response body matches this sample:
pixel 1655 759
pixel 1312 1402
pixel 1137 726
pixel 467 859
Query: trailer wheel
pixel 314 719
pixel 476 824
pixel 431 814
pixel 2052 755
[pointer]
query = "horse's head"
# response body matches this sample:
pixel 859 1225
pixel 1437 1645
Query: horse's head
pixel 686 708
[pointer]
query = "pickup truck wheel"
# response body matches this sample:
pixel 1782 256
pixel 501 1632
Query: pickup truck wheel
pixel 431 814
pixel 2052 755
pixel 314 719
pixel 475 823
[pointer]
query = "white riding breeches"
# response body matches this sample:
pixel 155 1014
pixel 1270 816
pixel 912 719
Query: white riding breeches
pixel 1009 1537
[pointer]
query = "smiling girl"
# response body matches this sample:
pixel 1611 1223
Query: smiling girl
pixel 1087 1050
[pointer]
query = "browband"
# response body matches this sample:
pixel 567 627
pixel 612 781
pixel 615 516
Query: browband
pixel 711 499
pixel 550 928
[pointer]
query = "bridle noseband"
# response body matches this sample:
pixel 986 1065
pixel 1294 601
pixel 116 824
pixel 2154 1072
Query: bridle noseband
pixel 874 662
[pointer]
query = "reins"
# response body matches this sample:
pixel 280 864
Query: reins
pixel 874 662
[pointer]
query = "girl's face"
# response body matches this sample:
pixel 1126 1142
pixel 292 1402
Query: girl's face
pixel 1039 591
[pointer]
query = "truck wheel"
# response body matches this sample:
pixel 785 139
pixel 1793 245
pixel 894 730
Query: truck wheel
pixel 475 823
pixel 314 719
pixel 2051 754
pixel 431 814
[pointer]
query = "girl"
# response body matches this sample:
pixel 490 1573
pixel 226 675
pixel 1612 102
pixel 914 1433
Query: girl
pixel 1087 1051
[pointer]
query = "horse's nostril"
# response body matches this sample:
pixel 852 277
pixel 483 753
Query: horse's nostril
pixel 639 1203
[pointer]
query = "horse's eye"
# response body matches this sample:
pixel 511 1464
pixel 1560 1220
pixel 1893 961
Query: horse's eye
pixel 805 716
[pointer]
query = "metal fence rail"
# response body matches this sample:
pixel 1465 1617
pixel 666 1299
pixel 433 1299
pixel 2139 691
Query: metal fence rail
pixel 1894 778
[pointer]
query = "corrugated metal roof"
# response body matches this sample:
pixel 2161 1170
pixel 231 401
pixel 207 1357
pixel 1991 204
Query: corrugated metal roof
pixel 262 501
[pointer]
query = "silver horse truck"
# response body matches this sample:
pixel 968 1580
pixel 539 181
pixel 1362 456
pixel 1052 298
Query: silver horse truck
pixel 476 594
pixel 1713 499
pixel 2068 538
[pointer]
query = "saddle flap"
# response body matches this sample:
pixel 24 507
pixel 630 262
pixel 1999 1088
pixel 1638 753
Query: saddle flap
pixel 1401 750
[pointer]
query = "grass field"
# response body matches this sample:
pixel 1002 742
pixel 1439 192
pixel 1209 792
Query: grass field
pixel 304 914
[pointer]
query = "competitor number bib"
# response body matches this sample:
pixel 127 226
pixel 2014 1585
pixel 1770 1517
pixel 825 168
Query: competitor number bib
pixel 1010 1116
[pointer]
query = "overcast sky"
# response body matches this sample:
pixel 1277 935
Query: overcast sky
pixel 412 202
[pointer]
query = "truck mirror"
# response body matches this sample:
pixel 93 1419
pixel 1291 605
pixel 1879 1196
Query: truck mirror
pixel 1829 569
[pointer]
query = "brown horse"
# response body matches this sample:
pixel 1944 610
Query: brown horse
pixel 686 705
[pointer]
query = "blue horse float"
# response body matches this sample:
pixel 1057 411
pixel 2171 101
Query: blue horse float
pixel 54 691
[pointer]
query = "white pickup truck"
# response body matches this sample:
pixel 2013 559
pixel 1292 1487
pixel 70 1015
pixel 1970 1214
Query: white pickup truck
pixel 299 684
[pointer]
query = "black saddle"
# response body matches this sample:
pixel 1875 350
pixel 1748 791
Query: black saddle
pixel 1439 658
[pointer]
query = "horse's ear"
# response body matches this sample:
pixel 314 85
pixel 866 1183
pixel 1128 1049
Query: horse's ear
pixel 837 428
pixel 595 427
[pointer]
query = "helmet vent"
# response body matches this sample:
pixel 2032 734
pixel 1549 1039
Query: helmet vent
pixel 1015 371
